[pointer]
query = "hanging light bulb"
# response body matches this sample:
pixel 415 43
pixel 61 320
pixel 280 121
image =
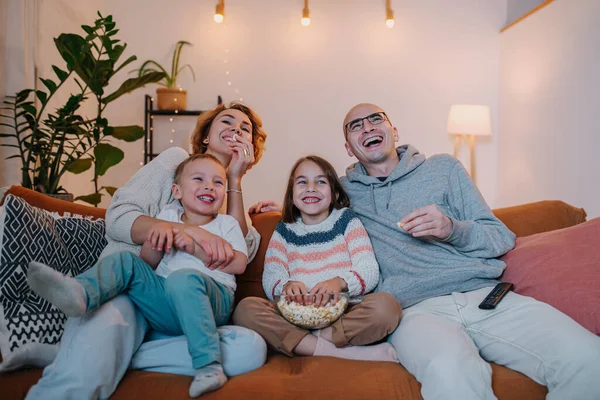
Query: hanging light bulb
pixel 220 12
pixel 389 14
pixel 305 14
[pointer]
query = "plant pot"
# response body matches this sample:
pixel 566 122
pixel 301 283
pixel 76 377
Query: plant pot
pixel 171 99
pixel 62 196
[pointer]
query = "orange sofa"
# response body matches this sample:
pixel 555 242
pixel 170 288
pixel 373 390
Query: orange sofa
pixel 308 377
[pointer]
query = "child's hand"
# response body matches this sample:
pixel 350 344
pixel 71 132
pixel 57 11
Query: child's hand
pixel 161 237
pixel 183 241
pixel 295 288
pixel 324 290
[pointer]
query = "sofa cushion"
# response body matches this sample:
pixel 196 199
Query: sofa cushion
pixel 541 216
pixel 299 378
pixel 70 244
pixel 561 268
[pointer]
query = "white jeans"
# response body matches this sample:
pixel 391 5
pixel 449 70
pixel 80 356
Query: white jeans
pixel 446 341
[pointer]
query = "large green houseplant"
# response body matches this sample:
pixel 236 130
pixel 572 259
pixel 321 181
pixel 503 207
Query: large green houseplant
pixel 50 143
pixel 169 97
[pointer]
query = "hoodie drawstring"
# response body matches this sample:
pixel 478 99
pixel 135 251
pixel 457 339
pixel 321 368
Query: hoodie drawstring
pixel 389 197
pixel 373 198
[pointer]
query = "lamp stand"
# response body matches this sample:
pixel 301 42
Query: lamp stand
pixel 473 159
pixel 457 139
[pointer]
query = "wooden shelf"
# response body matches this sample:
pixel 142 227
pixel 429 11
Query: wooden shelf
pixel 179 112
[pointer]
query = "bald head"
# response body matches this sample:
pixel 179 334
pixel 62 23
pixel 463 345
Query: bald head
pixel 360 111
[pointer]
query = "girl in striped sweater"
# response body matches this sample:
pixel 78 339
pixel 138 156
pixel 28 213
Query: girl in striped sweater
pixel 321 247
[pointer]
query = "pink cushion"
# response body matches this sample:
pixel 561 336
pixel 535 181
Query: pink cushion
pixel 561 268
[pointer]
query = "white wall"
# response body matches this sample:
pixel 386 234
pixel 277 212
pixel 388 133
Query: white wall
pixel 14 73
pixel 550 107
pixel 28 40
pixel 303 80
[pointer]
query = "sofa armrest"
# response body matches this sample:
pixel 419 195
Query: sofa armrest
pixel 541 216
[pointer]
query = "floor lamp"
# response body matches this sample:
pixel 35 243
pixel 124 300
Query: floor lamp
pixel 469 120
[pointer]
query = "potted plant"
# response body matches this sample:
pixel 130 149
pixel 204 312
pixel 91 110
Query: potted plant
pixel 50 143
pixel 169 97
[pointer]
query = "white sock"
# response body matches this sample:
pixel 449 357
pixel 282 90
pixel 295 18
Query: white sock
pixel 62 291
pixel 207 379
pixel 376 352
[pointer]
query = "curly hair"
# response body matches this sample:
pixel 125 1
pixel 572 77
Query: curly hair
pixel 205 120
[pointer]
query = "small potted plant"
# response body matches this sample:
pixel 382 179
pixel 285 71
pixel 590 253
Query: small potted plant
pixel 169 97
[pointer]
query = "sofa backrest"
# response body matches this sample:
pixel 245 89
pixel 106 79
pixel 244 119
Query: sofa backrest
pixel 48 203
pixel 523 220
pixel 542 216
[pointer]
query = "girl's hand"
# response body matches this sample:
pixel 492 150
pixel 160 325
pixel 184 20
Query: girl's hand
pixel 295 288
pixel 242 159
pixel 324 290
pixel 184 242
pixel 265 206
pixel 160 237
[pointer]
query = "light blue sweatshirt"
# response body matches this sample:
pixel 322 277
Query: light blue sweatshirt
pixel 415 269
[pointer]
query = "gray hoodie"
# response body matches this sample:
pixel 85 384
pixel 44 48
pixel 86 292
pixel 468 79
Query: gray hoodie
pixel 415 269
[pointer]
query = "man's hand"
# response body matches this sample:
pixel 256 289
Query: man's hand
pixel 265 206
pixel 183 241
pixel 427 221
pixel 297 289
pixel 160 237
pixel 324 290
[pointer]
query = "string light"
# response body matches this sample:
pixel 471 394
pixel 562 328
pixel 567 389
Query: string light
pixel 305 14
pixel 220 12
pixel 389 14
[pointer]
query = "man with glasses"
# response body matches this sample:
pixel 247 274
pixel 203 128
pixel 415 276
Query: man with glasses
pixel 437 244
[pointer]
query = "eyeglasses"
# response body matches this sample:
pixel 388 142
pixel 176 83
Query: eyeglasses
pixel 374 119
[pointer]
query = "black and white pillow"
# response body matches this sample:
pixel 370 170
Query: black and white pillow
pixel 70 244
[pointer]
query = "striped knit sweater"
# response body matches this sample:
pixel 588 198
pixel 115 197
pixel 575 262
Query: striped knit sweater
pixel 338 246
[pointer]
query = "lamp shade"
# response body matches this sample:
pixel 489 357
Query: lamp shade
pixel 469 119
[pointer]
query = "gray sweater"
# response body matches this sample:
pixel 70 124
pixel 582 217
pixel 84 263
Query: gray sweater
pixel 146 193
pixel 415 269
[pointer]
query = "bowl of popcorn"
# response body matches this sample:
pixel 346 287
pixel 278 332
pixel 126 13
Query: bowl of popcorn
pixel 312 311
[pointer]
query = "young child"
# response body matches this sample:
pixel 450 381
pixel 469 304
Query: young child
pixel 183 296
pixel 321 248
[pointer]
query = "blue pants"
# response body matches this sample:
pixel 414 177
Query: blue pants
pixel 186 302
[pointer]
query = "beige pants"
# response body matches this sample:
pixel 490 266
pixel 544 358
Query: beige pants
pixel 367 322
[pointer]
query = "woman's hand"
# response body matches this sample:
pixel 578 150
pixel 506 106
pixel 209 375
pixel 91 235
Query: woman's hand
pixel 296 289
pixel 160 237
pixel 242 159
pixel 213 250
pixel 265 206
pixel 183 241
pixel 324 290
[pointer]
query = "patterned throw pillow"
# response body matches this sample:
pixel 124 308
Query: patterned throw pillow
pixel 70 244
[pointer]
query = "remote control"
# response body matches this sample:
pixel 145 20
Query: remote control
pixel 491 300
